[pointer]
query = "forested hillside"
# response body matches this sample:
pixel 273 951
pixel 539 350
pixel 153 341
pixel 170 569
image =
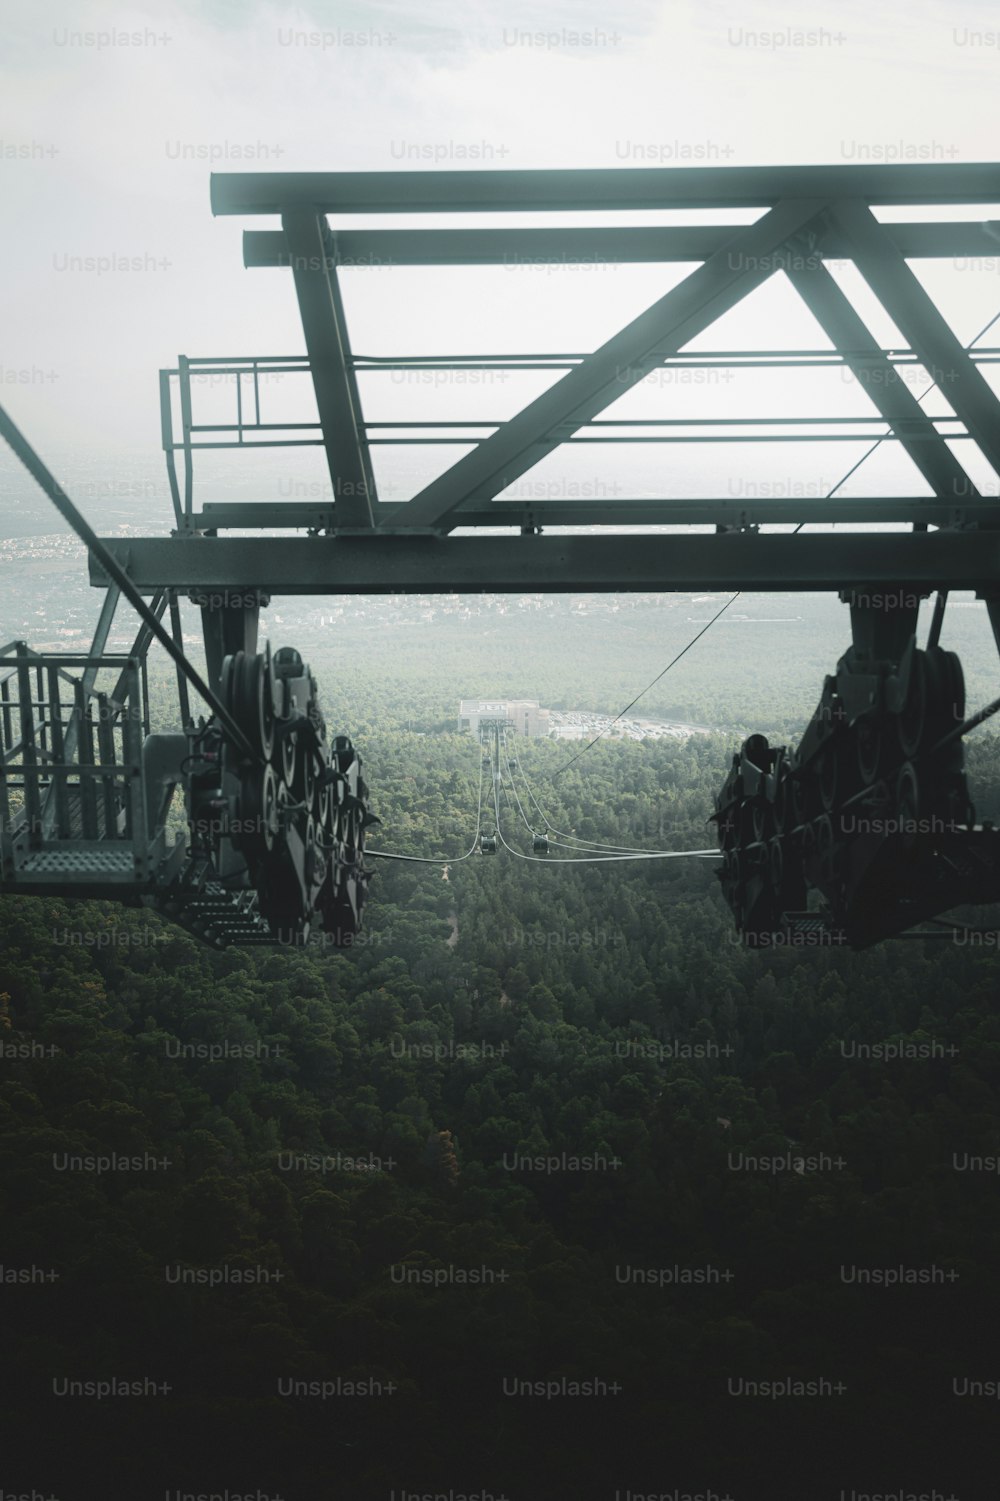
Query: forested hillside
pixel 541 1126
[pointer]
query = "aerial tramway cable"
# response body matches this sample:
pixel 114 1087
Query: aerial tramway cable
pixel 572 841
pixel 498 785
pixel 621 714
pixel 592 859
pixel 567 841
pixel 434 860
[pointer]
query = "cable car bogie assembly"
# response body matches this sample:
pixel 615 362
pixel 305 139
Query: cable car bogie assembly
pixel 871 811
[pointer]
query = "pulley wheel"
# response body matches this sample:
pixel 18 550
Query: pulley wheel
pixel 258 812
pixel 776 865
pixel 342 753
pixel 783 813
pixel 757 751
pixel 945 689
pixel 907 796
pixel 321 801
pixel 825 847
pixel 312 856
pixel 911 720
pixel 828 778
pixel 288 758
pixel 247 692
pixel 304 782
pixel 869 750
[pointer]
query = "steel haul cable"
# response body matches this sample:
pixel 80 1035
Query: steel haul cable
pixel 621 714
pixel 572 841
pixel 595 859
pixel 566 841
pixel 435 860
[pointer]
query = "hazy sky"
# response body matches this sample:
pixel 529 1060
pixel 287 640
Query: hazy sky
pixel 110 117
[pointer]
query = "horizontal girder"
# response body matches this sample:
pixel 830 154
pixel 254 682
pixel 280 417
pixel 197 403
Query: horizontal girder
pixel 427 564
pixel 599 188
pixel 739 511
pixel 574 245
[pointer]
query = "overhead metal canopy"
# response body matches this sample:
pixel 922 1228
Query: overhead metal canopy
pixel 805 217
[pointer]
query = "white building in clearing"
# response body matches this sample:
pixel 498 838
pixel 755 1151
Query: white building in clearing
pixel 525 715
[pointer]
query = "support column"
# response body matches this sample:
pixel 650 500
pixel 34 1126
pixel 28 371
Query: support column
pixel 229 623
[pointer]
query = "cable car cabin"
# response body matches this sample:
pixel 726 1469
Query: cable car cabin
pixel 487 844
pixel 540 844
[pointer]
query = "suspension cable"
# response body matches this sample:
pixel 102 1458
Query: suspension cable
pixel 585 845
pixel 433 860
pixel 573 759
pixel 572 841
pixel 595 859
pixel 510 778
pixel 531 795
pixel 879 441
pixel 567 841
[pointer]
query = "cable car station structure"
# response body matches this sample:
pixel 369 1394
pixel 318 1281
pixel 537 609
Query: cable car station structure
pixel 83 782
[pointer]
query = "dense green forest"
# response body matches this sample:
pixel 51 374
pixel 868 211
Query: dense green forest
pixel 518 1197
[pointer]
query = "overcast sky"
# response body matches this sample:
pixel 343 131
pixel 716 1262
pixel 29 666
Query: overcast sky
pixel 110 118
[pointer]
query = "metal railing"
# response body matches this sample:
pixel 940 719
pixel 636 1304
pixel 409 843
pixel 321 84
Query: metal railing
pixel 70 751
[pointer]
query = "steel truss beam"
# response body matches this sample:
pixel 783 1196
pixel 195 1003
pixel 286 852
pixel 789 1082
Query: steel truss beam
pixel 618 365
pixel 881 382
pixel 922 325
pixel 336 389
pixel 803 216
pixel 428 564
pixel 921 511
pixel 599 188
pixel 573 245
